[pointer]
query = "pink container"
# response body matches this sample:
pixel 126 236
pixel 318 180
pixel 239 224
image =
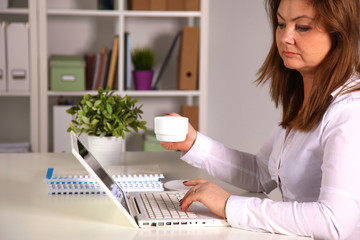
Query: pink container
pixel 143 79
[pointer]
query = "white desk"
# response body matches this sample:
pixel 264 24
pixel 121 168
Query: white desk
pixel 28 212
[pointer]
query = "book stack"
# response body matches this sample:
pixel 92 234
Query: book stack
pixel 165 5
pixel 101 68
pixel 76 181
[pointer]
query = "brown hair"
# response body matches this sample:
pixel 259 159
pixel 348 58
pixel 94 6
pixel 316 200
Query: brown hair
pixel 342 20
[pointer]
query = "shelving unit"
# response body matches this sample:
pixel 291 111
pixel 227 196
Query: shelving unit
pixel 76 31
pixel 20 119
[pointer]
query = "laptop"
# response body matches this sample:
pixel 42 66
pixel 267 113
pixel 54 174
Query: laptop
pixel 145 209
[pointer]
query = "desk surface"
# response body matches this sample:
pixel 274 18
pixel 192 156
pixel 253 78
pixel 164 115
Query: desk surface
pixel 28 212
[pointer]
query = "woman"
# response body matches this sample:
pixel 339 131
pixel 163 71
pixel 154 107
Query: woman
pixel 312 156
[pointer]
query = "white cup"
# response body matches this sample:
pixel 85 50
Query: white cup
pixel 171 129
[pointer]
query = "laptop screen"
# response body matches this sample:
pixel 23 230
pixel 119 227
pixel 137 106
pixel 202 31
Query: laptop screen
pixel 100 172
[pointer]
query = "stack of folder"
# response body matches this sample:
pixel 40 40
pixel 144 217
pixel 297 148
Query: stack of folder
pixel 189 59
pixel 165 5
pixel 101 68
pixel 14 57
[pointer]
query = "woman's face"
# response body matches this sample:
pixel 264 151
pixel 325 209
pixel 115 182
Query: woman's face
pixel 302 42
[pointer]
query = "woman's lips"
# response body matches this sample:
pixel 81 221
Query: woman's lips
pixel 289 54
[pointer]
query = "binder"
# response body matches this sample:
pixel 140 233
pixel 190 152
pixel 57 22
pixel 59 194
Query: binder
pixel 127 57
pixel 76 181
pixel 105 69
pixel 189 59
pixel 89 70
pixel 166 60
pixel 175 5
pixel 61 123
pixel 113 62
pixel 3 74
pixel 17 39
pixel 96 70
pixel 139 4
pixel 158 5
pixel 192 5
pixel 191 112
pixel 101 67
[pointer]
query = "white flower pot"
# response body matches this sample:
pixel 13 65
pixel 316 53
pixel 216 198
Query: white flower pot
pixel 107 150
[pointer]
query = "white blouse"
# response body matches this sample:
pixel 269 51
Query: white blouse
pixel 318 173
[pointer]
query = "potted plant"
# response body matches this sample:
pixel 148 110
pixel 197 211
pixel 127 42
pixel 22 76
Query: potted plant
pixel 142 59
pixel 105 118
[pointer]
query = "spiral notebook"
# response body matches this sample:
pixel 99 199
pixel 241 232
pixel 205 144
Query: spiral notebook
pixel 76 181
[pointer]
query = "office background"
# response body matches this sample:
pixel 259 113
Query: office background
pixel 240 114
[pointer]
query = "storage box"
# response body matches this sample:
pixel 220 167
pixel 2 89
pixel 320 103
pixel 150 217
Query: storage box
pixel 191 112
pixel 158 5
pixel 151 144
pixel 67 73
pixel 139 5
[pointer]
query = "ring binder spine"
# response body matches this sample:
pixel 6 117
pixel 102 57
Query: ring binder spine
pixel 69 185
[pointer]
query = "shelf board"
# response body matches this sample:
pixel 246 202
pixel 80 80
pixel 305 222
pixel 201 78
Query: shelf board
pixel 14 94
pixel 171 14
pixel 11 11
pixel 80 12
pixel 126 13
pixel 133 93
pixel 163 93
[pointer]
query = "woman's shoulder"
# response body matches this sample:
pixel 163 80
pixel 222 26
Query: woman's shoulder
pixel 349 91
pixel 345 97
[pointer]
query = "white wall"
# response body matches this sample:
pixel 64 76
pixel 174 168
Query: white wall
pixel 240 115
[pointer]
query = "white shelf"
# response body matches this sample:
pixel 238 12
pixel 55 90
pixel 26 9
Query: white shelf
pixel 172 14
pixel 67 12
pixel 14 11
pixel 100 26
pixel 14 94
pixel 126 13
pixel 169 93
pixel 31 115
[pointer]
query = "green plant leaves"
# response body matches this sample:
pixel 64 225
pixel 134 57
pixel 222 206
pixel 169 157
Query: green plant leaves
pixel 106 114
pixel 143 58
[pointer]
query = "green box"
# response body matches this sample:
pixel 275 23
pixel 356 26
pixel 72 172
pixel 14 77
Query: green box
pixel 151 144
pixel 67 73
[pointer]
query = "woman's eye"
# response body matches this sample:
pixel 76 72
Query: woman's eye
pixel 303 28
pixel 281 25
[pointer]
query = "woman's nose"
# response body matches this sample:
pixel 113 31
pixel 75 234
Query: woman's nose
pixel 288 36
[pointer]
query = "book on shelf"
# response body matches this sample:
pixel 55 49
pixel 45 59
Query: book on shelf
pixel 175 5
pixel 189 59
pixel 105 70
pixel 89 70
pixel 113 63
pixel 139 4
pixel 127 61
pixel 96 71
pixel 158 5
pixel 75 180
pixel 17 56
pixel 166 60
pixel 191 5
pixel 101 67
pixel 3 67
pixel 191 112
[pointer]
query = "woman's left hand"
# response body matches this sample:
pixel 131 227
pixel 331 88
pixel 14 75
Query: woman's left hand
pixel 208 193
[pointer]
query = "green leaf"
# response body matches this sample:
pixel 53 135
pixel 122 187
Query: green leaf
pixel 97 103
pixel 109 108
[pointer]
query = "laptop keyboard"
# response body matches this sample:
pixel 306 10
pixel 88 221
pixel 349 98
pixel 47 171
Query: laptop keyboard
pixel 165 205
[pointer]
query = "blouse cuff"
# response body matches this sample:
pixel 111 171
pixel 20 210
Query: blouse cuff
pixel 236 211
pixel 199 151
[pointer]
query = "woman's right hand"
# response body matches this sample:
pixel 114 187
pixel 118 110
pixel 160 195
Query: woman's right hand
pixel 186 144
